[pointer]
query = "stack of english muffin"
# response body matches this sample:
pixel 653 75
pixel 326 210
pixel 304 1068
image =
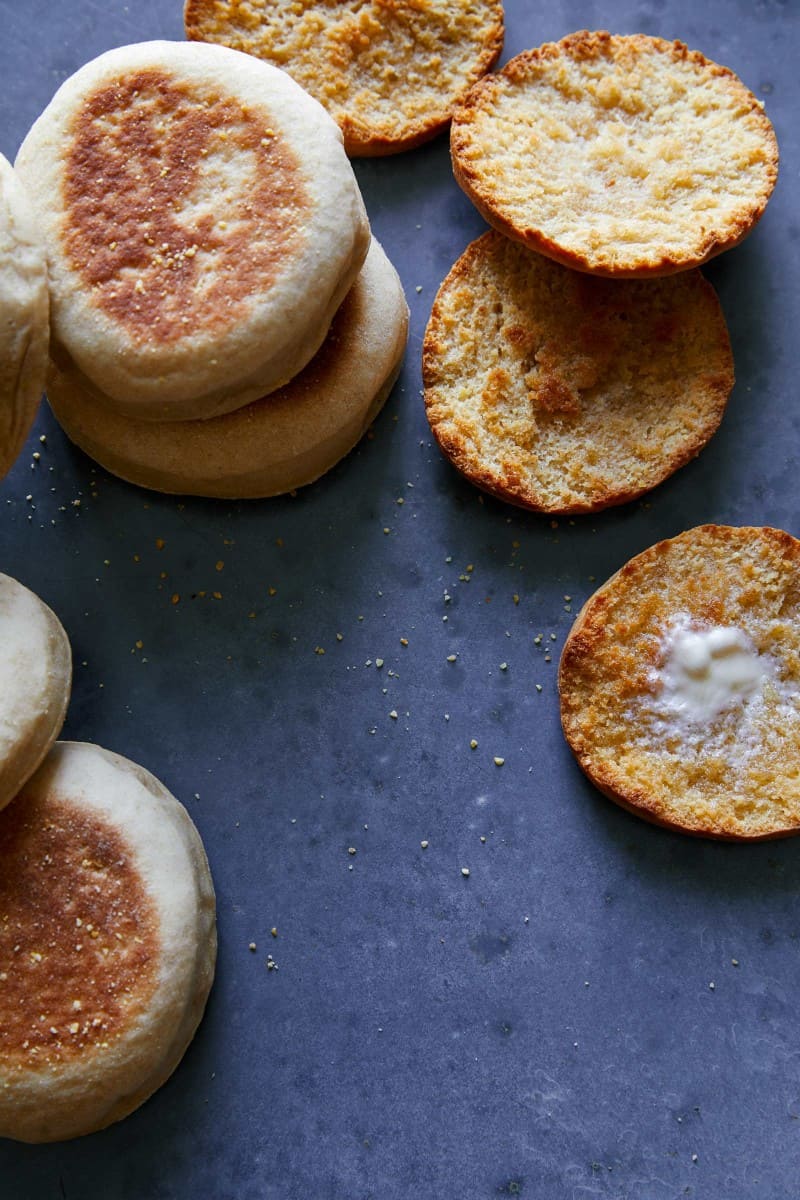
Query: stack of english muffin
pixel 222 322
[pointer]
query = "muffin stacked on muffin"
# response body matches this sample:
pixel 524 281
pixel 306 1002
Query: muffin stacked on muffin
pixel 203 226
pixel 626 159
pixel 108 936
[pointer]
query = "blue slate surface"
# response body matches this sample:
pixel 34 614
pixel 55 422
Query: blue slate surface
pixel 546 1027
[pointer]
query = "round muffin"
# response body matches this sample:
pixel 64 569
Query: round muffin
pixel 619 156
pixel 35 683
pixel 24 327
pixel 275 444
pixel 202 223
pixel 680 684
pixel 389 74
pixel 107 944
pixel 565 393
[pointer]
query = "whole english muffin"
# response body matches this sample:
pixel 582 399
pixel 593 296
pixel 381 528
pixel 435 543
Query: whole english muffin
pixel 389 73
pixel 202 221
pixel 680 684
pixel 565 393
pixel 107 944
pixel 616 155
pixel 24 327
pixel 35 684
pixel 272 445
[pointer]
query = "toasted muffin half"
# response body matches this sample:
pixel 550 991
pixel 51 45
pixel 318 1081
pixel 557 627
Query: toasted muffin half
pixel 616 155
pixel 680 684
pixel 389 74
pixel 565 393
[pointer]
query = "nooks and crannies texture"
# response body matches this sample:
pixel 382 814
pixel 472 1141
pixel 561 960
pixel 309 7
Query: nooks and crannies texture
pixel 616 155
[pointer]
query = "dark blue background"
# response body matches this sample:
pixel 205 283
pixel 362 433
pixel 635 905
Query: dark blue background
pixel 546 1027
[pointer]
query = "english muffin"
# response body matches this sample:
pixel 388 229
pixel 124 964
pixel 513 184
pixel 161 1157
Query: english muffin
pixel 202 223
pixel 620 156
pixel 24 328
pixel 35 683
pixel 565 393
pixel 107 943
pixel 389 74
pixel 277 443
pixel 680 684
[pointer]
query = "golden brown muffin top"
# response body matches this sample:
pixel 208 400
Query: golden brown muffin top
pixel 180 203
pixel 79 941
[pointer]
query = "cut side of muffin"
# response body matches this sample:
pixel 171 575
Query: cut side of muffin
pixel 680 684
pixel 564 393
pixel 616 155
pixel 389 74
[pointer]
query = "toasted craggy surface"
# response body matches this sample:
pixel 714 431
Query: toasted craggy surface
pixel 24 327
pixel 107 943
pixel 35 683
pixel 202 223
pixel 388 71
pixel 565 393
pixel 616 155
pixel 275 444
pixel 737 774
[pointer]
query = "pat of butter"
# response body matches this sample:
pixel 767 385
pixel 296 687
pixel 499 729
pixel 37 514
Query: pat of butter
pixel 708 670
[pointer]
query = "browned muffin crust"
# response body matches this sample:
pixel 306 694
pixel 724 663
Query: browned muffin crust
pixel 389 71
pixel 107 943
pixel 78 943
pixel 617 155
pixel 732 775
pixel 564 393
pixel 149 277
